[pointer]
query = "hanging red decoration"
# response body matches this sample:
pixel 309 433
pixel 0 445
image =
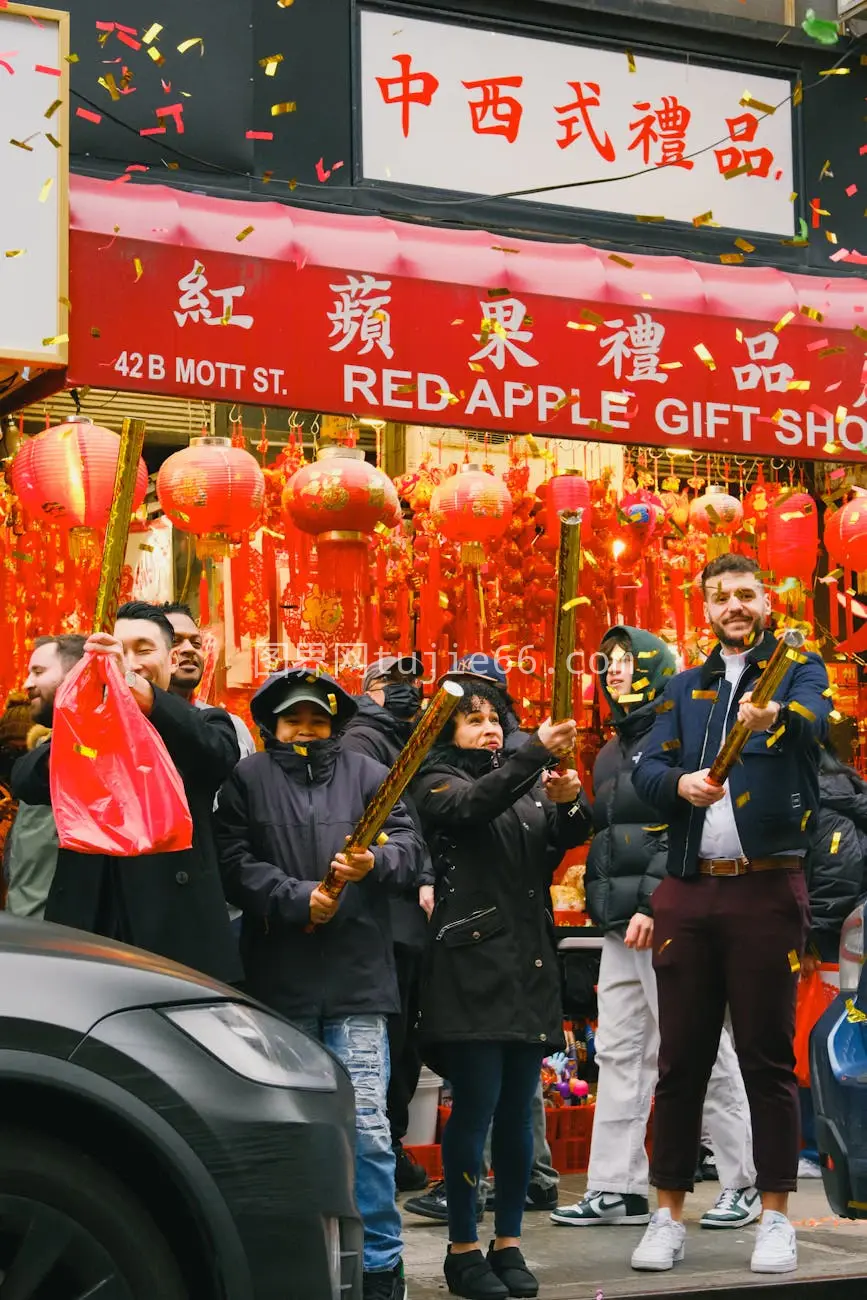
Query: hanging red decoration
pixel 793 537
pixel 472 508
pixel 716 512
pixel 66 475
pixel 214 490
pixel 853 534
pixel 831 536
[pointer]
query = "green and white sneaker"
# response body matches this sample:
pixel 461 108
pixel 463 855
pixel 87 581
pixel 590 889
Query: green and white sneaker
pixel 603 1208
pixel 735 1207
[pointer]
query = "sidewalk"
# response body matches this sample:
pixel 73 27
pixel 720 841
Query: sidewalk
pixel 578 1263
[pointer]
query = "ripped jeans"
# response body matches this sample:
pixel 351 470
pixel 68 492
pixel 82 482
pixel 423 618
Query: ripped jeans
pixel 361 1043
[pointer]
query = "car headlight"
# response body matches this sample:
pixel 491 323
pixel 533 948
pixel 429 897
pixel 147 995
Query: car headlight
pixel 852 950
pixel 257 1045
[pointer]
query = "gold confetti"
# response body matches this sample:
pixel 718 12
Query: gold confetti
pixel 704 355
pixel 52 108
pixel 801 710
pixel 266 177
pixel 153 53
pixel 747 101
pixel 621 261
pixel 15 252
pixel 57 338
pixel 671 365
pixel 51 140
pixel 830 236
pixel 704 219
pixel 798 93
pixel 798 386
pixel 853 1014
pixel 840 414
pixel 806 817
pixel 631 699
pixel 382 838
pixel 655 830
pixel 46 190
pixel 742 799
pixel 640 685
pixel 630 60
pixel 332 702
pixel 812 312
pixel 271 64
pixel 736 171
pixel 794 961
pixel 648 654
pixel 300 749
pixel 152 33
pixel 731 259
pixel 663 946
pixel 835 72
pixel 277 110
pixel 772 740
pixel 285 4
pixel 859 331
pixel 745 246
pixel 108 83
pixel 188 45
pixel 242 234
pixel 574 325
pixel 22 144
pixel 84 751
pixel 649 219
pixel 665 706
pixel 668 745
pixel 71 58
pixel 835 842
pixel 64 302
pixel 572 604
pixel 139 269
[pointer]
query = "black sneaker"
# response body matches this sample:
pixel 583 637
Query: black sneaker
pixel 408 1173
pixel 434 1205
pixel 470 1275
pixel 541 1198
pixel 511 1268
pixel 385 1286
pixel 707 1165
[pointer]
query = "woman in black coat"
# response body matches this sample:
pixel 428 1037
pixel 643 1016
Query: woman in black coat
pixel 497 825
pixel 836 862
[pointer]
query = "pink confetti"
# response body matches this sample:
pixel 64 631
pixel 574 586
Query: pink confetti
pixel 259 135
pixel 8 54
pixel 87 115
pixel 167 86
pixel 153 130
pixel 863 149
pixel 174 111
pixel 137 167
pixel 105 27
pixel 321 174
pixel 842 254
pixel 832 387
pixel 851 189
pixel 119 180
pixel 49 72
pixel 128 40
pixel 814 347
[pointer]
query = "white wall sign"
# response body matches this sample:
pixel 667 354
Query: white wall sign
pixel 34 169
pixel 483 112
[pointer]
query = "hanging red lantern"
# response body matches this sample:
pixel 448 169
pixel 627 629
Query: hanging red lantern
pixel 566 493
pixel 66 474
pixel 472 508
pixel 793 537
pixel 716 512
pixel 342 500
pixel 853 534
pixel 213 490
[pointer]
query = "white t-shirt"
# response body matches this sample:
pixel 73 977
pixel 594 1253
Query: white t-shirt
pixel 719 837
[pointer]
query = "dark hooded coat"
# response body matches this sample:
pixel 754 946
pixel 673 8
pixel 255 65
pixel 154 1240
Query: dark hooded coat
pixel 627 857
pixel 490 972
pixel 282 816
pixel 836 875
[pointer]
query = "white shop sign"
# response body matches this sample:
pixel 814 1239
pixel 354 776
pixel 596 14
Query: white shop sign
pixel 482 112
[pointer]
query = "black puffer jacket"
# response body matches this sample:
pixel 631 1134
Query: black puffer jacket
pixel 626 860
pixel 282 816
pixel 836 875
pixel 490 971
pixel 375 732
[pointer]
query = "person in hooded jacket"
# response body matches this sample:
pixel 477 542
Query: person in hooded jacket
pixel 284 817
pixel 384 722
pixel 497 824
pixel 625 863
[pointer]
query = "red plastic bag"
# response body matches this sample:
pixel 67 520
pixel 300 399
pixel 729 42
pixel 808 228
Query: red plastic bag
pixel 114 788
pixel 814 996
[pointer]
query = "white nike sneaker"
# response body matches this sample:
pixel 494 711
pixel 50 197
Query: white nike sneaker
pixel 605 1208
pixel 776 1249
pixel 735 1207
pixel 662 1245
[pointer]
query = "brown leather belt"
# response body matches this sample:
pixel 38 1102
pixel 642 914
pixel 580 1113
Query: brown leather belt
pixel 745 866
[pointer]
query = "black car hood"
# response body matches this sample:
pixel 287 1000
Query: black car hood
pixel 70 979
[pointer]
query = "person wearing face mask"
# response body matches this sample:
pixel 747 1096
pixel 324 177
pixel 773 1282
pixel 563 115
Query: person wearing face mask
pixel 283 818
pixel 625 864
pixel 497 825
pixel 732 916
pixel 191 666
pixel 167 903
pixel 384 722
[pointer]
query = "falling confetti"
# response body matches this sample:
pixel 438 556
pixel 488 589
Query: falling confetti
pixel 88 116
pixel 49 72
pixel 57 338
pixel 747 101
pixel 277 110
pixel 820 29
pixel 704 356
pixel 188 45
pixel 271 64
pixel 139 269
pixel 152 33
pixel 46 190
pixel 52 108
pixel 15 252
pixel 242 234
pixel 259 135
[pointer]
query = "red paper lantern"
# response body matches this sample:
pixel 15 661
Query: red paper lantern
pixel 566 492
pixel 793 537
pixel 66 474
pixel 853 534
pixel 214 490
pixel 472 507
pixel 716 512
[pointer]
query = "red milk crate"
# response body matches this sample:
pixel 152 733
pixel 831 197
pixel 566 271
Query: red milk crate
pixel 430 1159
pixel 569 1130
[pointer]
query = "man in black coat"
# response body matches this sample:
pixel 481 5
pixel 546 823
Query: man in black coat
pixel 167 903
pixel 387 711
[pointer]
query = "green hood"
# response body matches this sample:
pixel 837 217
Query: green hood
pixel 654 665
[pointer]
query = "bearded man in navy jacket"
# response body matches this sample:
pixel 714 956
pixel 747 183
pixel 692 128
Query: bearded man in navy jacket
pixel 732 916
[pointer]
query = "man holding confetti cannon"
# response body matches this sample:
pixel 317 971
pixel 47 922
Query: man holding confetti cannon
pixel 732 766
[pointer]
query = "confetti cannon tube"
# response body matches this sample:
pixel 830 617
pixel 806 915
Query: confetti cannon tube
pixel 117 530
pixel 568 565
pixel 405 766
pixel 786 653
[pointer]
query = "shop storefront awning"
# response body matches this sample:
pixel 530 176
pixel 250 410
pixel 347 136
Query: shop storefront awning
pixel 262 303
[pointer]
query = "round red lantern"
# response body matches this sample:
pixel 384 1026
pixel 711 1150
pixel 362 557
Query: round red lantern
pixel 793 537
pixel 569 493
pixel 853 534
pixel 214 490
pixel 716 512
pixel 66 475
pixel 472 507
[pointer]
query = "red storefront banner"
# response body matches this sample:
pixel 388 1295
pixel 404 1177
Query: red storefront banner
pixel 265 304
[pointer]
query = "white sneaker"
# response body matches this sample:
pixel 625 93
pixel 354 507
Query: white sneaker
pixel 808 1168
pixel 776 1249
pixel 735 1207
pixel 661 1247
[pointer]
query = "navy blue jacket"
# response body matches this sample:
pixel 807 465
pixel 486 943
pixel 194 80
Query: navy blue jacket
pixel 775 788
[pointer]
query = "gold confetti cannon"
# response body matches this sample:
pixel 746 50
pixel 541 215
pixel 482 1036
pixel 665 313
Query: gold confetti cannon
pixel 787 652
pixel 568 565
pixel 402 771
pixel 117 529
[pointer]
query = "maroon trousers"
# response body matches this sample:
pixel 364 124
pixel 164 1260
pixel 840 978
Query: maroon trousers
pixel 728 941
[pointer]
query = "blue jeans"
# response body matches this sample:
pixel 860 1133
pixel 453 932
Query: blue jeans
pixel 489 1081
pixel 361 1043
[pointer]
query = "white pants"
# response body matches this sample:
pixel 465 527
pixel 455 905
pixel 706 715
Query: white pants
pixel 627 1046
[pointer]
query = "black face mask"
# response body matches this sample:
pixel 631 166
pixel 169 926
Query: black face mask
pixel 402 700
